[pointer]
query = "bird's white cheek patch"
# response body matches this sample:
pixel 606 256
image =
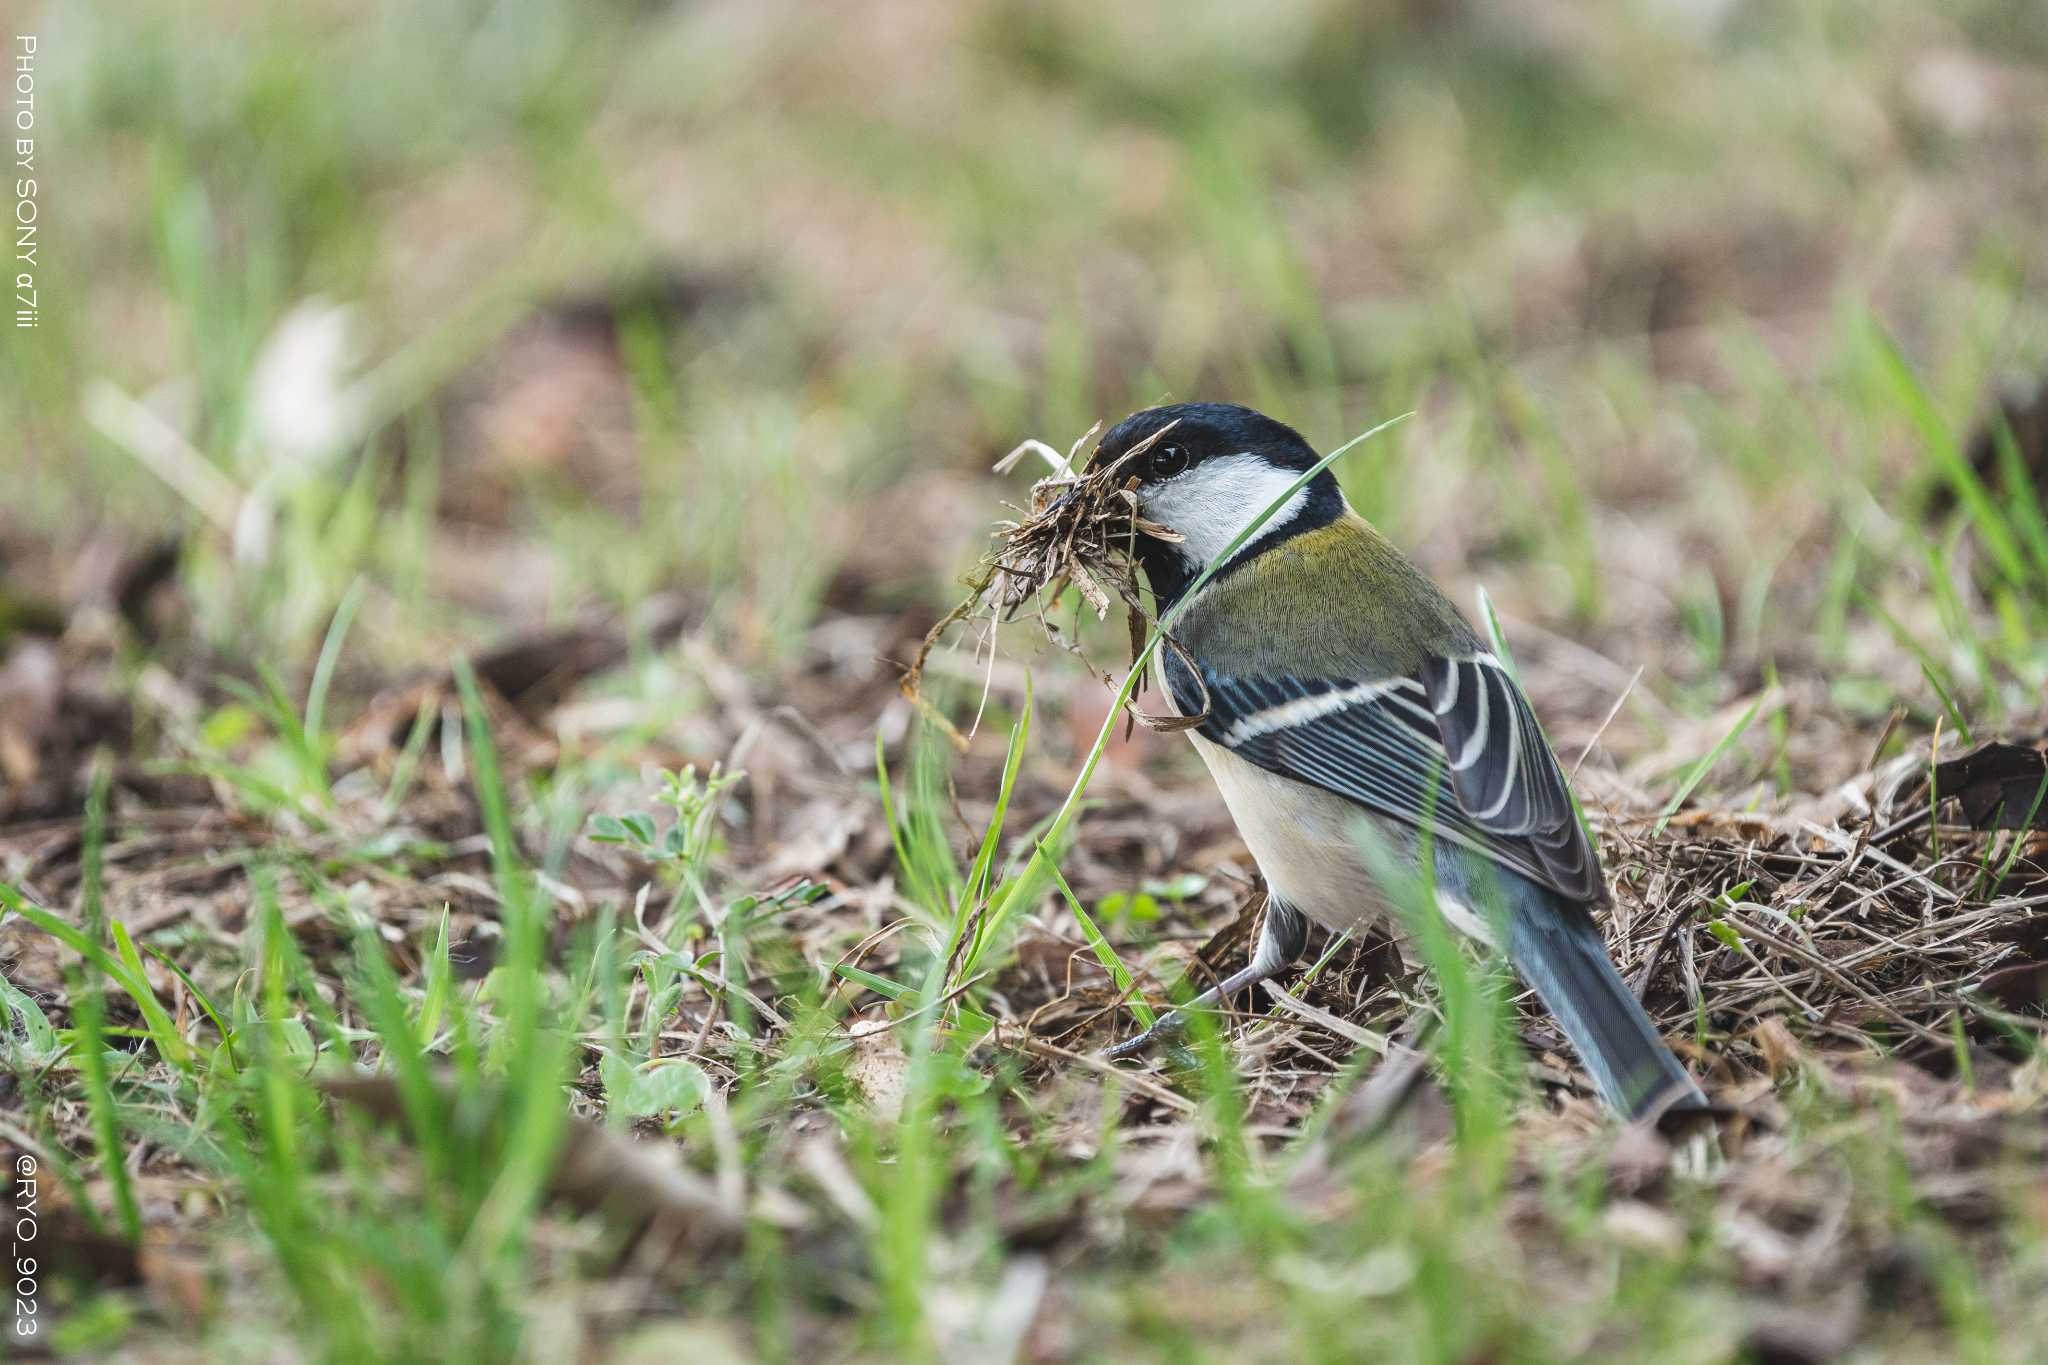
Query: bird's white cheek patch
pixel 1213 502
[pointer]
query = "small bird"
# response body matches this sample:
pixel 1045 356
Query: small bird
pixel 1337 685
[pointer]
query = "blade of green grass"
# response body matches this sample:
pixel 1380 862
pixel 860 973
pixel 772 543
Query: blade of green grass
pixel 330 655
pixel 170 1044
pixel 1126 984
pixel 982 869
pixel 206 1006
pixel 440 981
pixel 534 1058
pixel 408 760
pixel 89 1015
pixel 92 911
pixel 881 985
pixel 1698 771
pixel 1983 509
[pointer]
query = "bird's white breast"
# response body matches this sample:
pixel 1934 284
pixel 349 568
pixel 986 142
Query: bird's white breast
pixel 1307 843
pixel 1310 847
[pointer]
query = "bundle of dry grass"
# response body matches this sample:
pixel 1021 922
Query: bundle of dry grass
pixel 1081 530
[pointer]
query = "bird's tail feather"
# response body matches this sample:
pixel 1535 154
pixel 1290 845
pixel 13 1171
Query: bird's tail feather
pixel 1559 952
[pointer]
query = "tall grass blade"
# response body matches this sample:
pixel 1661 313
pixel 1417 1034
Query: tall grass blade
pixel 1698 771
pixel 89 1016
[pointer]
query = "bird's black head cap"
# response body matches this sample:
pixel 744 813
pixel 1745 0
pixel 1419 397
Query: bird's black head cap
pixel 1184 436
pixel 1203 431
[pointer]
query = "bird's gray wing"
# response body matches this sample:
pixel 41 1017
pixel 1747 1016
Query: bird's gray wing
pixel 1506 777
pixel 1452 748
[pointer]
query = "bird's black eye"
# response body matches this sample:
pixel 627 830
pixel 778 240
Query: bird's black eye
pixel 1166 461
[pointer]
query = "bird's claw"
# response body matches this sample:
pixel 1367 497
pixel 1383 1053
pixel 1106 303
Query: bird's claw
pixel 1166 1029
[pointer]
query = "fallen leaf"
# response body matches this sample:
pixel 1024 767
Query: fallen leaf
pixel 1999 785
pixel 2018 986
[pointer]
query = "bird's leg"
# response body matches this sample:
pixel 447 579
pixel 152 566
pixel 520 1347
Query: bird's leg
pixel 1281 938
pixel 1169 1026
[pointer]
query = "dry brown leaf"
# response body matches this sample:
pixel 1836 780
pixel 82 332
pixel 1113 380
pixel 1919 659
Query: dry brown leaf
pixel 1782 1052
pixel 1999 785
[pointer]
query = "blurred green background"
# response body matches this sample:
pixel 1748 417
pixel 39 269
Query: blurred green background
pixel 517 307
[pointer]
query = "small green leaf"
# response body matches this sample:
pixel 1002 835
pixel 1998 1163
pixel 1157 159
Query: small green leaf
pixel 298 1040
pixel 28 1028
pixel 669 1086
pixel 951 1078
pixel 1121 906
pixel 1725 932
pixel 1176 888
pixel 227 727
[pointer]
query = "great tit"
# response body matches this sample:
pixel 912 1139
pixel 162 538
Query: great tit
pixel 1338 688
